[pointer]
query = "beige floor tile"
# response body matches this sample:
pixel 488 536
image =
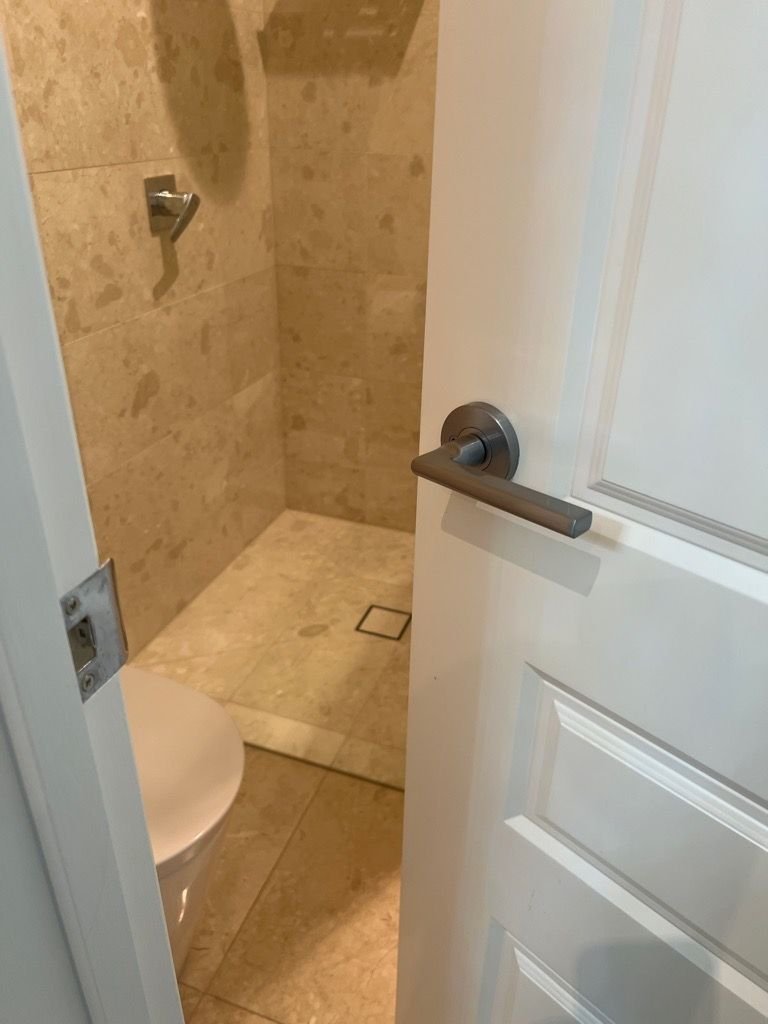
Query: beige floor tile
pixel 286 736
pixel 274 636
pixel 313 679
pixel 274 795
pixel 373 553
pixel 190 997
pixel 232 613
pixel 295 544
pixel 384 717
pixel 335 607
pixel 320 944
pixel 217 675
pixel 372 761
pixel 307 546
pixel 214 1011
pixel 386 622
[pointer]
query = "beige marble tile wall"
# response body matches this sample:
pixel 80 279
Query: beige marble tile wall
pixel 171 353
pixel 351 98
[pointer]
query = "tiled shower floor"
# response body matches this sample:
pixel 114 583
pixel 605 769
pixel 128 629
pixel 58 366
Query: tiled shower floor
pixel 274 638
pixel 301 918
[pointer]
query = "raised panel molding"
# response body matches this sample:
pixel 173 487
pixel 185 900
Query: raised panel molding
pixel 694 523
pixel 527 992
pixel 681 841
pixel 614 312
pixel 628 964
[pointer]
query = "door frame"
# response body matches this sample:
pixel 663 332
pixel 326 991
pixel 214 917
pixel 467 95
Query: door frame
pixel 75 760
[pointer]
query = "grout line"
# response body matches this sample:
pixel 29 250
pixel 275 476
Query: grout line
pixel 330 767
pixel 237 1006
pixel 379 676
pixel 169 305
pixel 324 778
pixel 367 778
pixel 172 429
pixel 267 882
pixel 282 753
pixel 187 157
pixel 264 887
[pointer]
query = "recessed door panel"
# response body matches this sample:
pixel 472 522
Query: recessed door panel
pixel 617 954
pixel 526 993
pixel 681 360
pixel 691 847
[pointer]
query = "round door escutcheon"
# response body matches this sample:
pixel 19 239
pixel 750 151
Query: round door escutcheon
pixel 485 421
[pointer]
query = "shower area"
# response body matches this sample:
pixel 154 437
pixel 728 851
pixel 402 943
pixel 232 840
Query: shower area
pixel 246 398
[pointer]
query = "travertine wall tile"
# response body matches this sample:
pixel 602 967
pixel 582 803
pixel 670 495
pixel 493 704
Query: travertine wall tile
pixel 394 338
pixel 333 489
pixel 322 318
pixel 390 497
pixel 391 423
pixel 325 112
pixel 351 103
pixel 174 363
pixel 174 515
pixel 287 966
pixel 135 80
pixel 171 351
pixel 323 418
pixel 397 214
pixel 320 207
pixel 401 102
pixel 104 265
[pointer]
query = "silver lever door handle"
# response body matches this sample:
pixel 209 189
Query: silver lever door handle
pixel 479 457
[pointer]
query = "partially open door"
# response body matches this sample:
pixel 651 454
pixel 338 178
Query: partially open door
pixel 587 785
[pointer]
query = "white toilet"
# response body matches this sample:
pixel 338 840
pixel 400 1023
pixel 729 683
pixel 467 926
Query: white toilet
pixel 190 761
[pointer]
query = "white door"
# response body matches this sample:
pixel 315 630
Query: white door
pixel 82 936
pixel 586 819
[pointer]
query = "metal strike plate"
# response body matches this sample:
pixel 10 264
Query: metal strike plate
pixel 95 630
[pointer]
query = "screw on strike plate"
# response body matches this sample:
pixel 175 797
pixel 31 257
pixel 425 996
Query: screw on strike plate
pixel 71 605
pixel 87 682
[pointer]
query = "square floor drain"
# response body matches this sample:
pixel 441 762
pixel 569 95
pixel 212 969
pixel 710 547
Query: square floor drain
pixel 385 622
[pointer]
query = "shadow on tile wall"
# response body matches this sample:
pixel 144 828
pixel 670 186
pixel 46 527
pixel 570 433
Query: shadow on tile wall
pixel 171 353
pixel 351 105
pixel 201 68
pixel 343 36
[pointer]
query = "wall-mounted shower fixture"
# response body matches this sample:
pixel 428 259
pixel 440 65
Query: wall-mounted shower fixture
pixel 169 210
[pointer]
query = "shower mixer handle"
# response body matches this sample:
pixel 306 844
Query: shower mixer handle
pixel 168 209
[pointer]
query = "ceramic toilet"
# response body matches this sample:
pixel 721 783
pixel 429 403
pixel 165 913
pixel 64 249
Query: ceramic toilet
pixel 190 759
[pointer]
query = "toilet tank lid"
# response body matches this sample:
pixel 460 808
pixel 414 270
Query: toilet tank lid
pixel 189 758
